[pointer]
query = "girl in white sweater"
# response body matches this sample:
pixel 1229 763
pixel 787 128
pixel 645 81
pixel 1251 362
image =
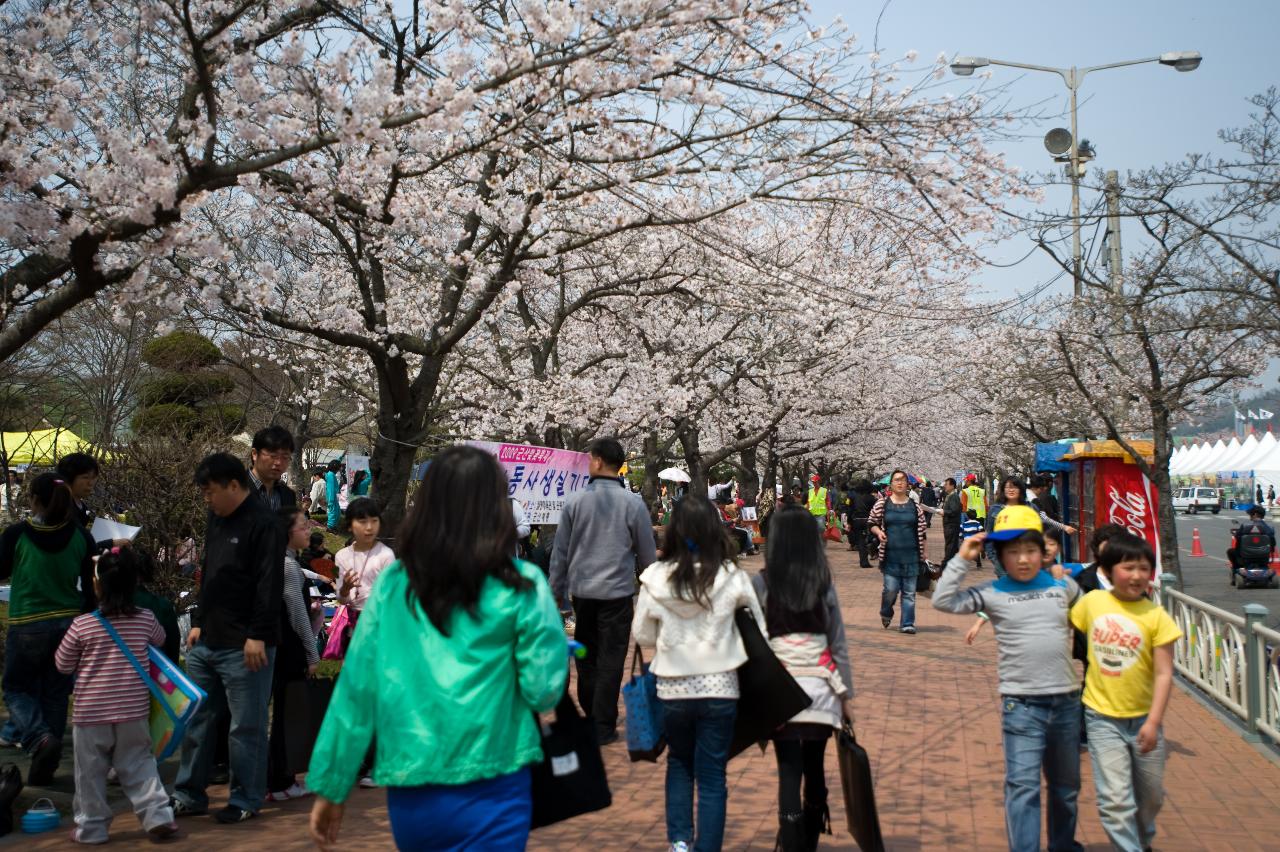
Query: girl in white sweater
pixel 685 611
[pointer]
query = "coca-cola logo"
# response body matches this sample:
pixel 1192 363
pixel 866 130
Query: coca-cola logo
pixel 1129 510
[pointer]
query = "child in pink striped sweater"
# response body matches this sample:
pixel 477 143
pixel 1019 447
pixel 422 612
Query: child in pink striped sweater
pixel 113 704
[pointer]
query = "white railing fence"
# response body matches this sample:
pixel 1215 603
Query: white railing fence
pixel 1234 659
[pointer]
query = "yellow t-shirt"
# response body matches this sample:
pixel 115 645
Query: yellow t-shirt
pixel 1122 637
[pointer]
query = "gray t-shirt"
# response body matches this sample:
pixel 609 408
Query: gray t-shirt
pixel 1033 633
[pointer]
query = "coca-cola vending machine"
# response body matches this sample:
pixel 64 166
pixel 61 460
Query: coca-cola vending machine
pixel 1113 490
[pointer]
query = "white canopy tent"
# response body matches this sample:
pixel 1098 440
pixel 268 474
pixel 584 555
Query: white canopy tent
pixel 1237 461
pixel 1208 462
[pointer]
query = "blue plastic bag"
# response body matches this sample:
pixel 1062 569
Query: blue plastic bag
pixel 646 739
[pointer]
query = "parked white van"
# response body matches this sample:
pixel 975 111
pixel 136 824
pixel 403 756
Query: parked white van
pixel 1196 498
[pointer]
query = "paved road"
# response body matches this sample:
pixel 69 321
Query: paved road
pixel 1206 578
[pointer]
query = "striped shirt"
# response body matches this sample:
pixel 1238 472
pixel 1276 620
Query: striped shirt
pixel 108 688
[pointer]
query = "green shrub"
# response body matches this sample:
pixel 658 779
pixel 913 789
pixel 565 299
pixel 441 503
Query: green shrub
pixel 181 351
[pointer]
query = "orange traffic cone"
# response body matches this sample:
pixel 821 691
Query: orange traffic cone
pixel 1275 561
pixel 1196 549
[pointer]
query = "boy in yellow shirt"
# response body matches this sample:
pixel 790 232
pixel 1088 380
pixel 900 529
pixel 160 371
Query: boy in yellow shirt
pixel 1130 645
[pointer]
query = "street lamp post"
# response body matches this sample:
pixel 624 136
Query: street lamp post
pixel 964 66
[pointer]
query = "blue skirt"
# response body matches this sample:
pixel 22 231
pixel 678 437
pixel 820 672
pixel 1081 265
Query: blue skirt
pixel 491 814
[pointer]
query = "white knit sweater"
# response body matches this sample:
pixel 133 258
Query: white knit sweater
pixel 690 638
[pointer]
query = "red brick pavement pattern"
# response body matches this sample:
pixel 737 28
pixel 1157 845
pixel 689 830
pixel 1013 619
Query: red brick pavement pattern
pixel 928 715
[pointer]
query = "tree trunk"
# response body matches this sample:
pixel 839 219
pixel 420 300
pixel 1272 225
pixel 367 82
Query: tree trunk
pixel 749 484
pixel 652 487
pixel 403 424
pixel 1160 481
pixel 693 460
pixel 770 484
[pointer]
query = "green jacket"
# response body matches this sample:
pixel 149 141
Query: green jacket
pixel 446 710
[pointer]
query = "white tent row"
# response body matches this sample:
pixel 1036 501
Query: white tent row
pixel 1258 458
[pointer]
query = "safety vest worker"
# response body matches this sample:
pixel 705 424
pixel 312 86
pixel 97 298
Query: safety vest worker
pixel 817 498
pixel 974 497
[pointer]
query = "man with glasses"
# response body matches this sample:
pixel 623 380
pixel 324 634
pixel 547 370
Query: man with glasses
pixel 269 458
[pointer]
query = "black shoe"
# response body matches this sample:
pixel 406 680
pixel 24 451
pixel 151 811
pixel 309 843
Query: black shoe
pixel 46 754
pixel 606 738
pixel 885 622
pixel 817 821
pixel 220 775
pixel 232 814
pixel 10 787
pixel 791 834
pixel 182 809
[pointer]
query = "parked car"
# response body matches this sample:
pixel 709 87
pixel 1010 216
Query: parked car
pixel 1197 498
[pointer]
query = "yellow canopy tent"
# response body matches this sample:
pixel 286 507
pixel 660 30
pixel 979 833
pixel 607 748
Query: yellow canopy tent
pixel 43 447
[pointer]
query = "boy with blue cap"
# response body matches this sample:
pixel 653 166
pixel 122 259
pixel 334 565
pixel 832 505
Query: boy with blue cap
pixel 1039 688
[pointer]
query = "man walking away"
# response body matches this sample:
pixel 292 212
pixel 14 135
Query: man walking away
pixel 974 499
pixel 928 497
pixel 603 540
pixel 232 641
pixel 864 499
pixel 950 519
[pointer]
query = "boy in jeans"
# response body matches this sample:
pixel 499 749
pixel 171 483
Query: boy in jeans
pixel 1039 688
pixel 1126 691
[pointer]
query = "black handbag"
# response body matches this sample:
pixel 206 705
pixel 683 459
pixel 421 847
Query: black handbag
pixel 859 791
pixel 768 696
pixel 570 781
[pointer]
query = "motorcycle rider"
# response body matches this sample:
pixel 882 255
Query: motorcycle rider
pixel 1248 550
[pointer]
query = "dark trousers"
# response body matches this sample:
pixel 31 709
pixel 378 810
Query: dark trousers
pixel 951 540
pixel 800 761
pixel 858 538
pixel 604 629
pixel 280 775
pixel 34 690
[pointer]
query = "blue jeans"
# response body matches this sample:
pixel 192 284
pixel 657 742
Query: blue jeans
pixel 1130 784
pixel 233 689
pixel 699 733
pixel 34 690
pixel 895 583
pixel 1041 733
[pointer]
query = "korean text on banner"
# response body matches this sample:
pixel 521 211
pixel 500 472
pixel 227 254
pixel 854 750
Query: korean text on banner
pixel 541 478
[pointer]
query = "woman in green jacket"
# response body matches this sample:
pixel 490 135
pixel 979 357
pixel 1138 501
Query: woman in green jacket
pixel 458 647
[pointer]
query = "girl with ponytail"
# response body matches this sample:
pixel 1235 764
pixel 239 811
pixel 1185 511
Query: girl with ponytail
pixel 49 559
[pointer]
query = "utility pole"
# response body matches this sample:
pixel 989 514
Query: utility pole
pixel 1112 188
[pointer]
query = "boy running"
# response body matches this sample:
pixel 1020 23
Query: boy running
pixel 1039 689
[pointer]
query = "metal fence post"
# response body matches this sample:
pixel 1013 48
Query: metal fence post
pixel 1255 661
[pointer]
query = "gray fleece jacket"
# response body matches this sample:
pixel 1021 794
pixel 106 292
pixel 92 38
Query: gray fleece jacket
pixel 604 539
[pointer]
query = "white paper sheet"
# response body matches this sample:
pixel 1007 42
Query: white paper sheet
pixel 105 528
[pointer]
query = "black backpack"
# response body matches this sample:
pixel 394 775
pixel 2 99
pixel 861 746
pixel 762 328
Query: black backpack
pixel 1255 544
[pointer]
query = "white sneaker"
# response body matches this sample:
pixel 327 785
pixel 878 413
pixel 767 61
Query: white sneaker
pixel 297 791
pixel 679 846
pixel 367 782
pixel 570 623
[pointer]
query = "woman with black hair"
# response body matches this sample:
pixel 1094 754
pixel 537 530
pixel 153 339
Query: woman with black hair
pixel 899 523
pixel 459 647
pixel 1013 492
pixel 685 611
pixel 50 559
pixel 806 631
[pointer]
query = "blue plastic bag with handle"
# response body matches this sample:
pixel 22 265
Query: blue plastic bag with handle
pixel 646 737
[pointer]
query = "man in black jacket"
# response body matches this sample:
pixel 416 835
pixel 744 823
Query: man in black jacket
pixel 269 459
pixel 231 647
pixel 950 519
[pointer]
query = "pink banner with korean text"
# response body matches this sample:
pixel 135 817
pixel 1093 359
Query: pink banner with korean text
pixel 541 478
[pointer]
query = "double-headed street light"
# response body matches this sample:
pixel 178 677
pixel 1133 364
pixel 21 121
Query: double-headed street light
pixel 1186 60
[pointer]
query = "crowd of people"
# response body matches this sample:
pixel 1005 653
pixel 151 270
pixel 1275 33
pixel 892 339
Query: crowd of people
pixel 451 644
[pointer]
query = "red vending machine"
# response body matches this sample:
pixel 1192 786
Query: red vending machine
pixel 1112 489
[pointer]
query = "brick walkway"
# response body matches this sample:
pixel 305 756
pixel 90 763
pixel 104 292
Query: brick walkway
pixel 927 714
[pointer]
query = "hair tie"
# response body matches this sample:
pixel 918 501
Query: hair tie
pixel 115 551
pixel 691 545
pixel 59 482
